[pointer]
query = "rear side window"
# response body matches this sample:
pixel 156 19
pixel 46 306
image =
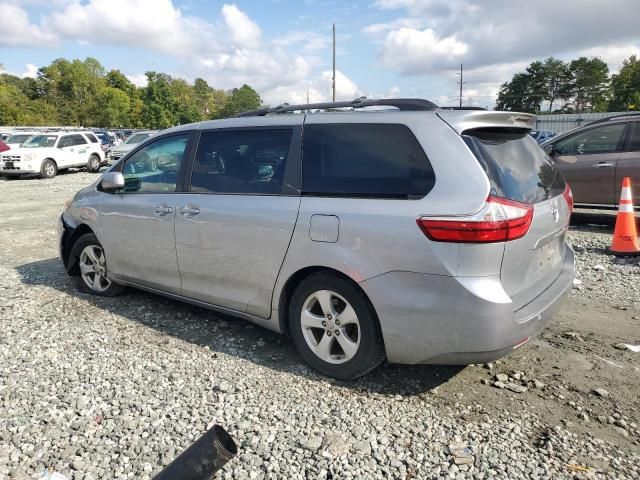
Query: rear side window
pixel 241 161
pixel 92 138
pixel 634 146
pixel 78 140
pixel 364 160
pixel 518 169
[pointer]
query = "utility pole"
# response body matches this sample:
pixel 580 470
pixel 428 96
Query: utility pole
pixel 334 63
pixel 461 83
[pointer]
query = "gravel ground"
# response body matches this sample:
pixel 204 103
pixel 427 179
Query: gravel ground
pixel 116 388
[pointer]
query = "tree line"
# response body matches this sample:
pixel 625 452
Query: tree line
pixel 579 86
pixel 84 93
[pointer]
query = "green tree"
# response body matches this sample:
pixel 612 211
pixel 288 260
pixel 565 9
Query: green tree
pixel 557 78
pixel 156 110
pixel 625 86
pixel 588 85
pixel 112 107
pixel 240 100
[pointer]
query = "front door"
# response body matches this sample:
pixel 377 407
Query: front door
pixel 629 165
pixel 137 223
pixel 235 224
pixel 588 162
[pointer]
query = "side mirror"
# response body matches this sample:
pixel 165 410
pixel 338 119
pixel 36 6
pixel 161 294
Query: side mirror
pixel 549 150
pixel 112 181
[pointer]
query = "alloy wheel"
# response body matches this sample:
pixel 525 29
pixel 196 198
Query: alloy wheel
pixel 330 327
pixel 93 268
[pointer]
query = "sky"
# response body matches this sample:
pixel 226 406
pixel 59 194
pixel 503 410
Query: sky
pixel 282 48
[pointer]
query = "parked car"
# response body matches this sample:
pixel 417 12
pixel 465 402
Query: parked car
pixel 116 153
pixel 106 142
pixel 4 147
pixel 17 138
pixel 596 157
pixel 48 153
pixel 354 233
pixel 541 135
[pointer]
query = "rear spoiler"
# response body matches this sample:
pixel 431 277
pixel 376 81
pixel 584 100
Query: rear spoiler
pixel 462 120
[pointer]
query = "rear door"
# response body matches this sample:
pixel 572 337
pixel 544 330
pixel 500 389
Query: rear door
pixel 629 165
pixel 518 169
pixel 588 161
pixel 234 223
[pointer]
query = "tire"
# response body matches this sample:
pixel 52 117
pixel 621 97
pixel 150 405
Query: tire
pixel 48 169
pixel 93 165
pixel 363 340
pixel 85 282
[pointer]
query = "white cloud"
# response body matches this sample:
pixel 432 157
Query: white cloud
pixel 138 79
pixel 244 31
pixel 151 24
pixel 30 72
pixel 506 32
pixel 413 51
pixel 18 31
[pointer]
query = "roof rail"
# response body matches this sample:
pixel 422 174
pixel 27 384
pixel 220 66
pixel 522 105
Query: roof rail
pixel 613 117
pixel 463 108
pixel 405 104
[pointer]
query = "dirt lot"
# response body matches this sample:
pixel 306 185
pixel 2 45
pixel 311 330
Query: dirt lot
pixel 115 388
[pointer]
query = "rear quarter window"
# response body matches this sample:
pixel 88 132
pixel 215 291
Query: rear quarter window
pixel 517 168
pixel 364 160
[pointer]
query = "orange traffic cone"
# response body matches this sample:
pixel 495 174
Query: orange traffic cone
pixel 625 236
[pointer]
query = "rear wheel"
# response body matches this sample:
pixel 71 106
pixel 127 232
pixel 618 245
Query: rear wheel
pixel 334 327
pixel 92 268
pixel 48 169
pixel 93 165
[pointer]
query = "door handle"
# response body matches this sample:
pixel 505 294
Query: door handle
pixel 189 211
pixel 603 164
pixel 162 210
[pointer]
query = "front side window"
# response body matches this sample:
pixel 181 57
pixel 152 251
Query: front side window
pixel 154 168
pixel 241 161
pixel 364 160
pixel 596 140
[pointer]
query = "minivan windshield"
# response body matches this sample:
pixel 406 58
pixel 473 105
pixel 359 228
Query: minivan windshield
pixel 137 138
pixel 40 141
pixel 518 169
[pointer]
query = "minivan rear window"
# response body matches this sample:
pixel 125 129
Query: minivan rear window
pixel 364 160
pixel 518 169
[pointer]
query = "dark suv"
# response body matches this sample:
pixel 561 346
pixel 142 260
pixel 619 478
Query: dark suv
pixel 595 158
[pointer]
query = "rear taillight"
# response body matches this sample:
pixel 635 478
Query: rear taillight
pixel 568 196
pixel 500 220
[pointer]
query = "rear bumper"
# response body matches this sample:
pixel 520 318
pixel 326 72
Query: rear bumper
pixel 458 320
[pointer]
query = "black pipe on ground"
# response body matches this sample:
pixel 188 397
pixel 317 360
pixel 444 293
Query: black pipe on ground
pixel 203 458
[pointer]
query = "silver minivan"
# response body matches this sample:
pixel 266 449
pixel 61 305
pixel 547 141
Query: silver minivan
pixel 403 232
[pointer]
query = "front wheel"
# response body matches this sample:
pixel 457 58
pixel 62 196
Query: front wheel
pixel 92 268
pixel 334 327
pixel 48 169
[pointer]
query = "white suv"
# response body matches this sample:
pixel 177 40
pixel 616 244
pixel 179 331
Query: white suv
pixel 45 154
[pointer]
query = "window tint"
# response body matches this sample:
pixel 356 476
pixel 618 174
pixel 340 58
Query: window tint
pixel 369 160
pixel 596 140
pixel 517 168
pixel 92 138
pixel 17 138
pixel 634 146
pixel 241 161
pixel 78 140
pixel 65 141
pixel 154 168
